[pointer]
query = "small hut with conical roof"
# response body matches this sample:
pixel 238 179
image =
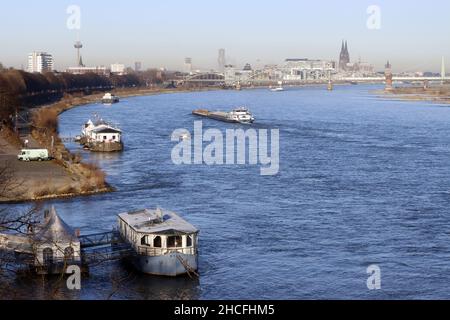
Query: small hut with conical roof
pixel 56 243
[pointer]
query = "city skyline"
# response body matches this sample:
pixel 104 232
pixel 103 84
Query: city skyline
pixel 161 36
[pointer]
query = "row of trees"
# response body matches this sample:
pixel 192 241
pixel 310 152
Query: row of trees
pixel 20 87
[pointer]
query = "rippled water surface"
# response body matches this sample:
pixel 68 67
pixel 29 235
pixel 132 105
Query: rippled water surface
pixel 362 181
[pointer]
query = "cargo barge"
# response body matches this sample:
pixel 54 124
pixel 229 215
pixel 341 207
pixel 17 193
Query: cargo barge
pixel 240 115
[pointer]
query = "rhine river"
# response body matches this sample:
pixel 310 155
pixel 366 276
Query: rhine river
pixel 363 180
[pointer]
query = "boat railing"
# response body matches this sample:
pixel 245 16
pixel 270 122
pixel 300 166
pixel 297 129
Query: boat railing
pixel 149 251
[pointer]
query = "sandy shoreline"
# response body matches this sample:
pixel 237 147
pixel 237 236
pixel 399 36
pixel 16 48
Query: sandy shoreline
pixel 439 94
pixel 66 176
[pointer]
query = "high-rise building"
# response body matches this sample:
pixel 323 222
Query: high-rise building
pixel 344 57
pixel 118 68
pixel 222 60
pixel 40 62
pixel 137 66
pixel 188 65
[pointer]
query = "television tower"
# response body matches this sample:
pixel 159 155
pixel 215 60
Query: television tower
pixel 443 70
pixel 78 45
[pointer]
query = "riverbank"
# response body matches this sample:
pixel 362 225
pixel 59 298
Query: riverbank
pixel 66 175
pixel 438 94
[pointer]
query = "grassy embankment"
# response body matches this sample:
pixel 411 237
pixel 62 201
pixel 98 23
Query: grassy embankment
pixel 78 178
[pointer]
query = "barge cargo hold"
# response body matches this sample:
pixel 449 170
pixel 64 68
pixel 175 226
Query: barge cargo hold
pixel 240 115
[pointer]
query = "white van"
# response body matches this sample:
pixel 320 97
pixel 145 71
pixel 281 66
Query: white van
pixel 33 155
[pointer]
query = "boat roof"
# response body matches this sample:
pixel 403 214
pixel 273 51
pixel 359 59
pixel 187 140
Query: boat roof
pixel 157 221
pixel 106 129
pixel 55 230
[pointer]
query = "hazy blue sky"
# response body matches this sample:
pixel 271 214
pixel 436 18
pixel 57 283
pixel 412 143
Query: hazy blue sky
pixel 160 33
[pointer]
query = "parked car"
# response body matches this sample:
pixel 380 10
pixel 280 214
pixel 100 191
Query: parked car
pixel 33 155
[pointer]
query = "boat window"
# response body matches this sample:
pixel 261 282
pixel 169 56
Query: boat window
pixel 157 242
pixel 144 241
pixel 114 137
pixel 104 138
pixel 174 242
pixel 189 241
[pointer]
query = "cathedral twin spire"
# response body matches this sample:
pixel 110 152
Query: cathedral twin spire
pixel 344 57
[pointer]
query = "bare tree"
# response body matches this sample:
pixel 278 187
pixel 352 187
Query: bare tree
pixel 18 222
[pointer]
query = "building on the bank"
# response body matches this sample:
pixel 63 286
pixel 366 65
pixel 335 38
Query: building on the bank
pixel 138 66
pixel 234 75
pixel 221 60
pixel 344 57
pixel 360 69
pixel 40 62
pixel 306 69
pixel 353 69
pixel 188 65
pixel 118 68
pixel 56 242
pixel 102 71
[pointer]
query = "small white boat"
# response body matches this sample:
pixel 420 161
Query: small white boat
pixel 279 88
pixel 109 98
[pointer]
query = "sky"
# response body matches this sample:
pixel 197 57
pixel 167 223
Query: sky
pixel 161 33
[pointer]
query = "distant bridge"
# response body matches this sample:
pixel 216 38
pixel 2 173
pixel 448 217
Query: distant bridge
pixel 212 78
pixel 383 79
pixel 259 79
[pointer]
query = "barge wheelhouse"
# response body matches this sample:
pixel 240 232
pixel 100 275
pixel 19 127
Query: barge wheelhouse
pixel 164 243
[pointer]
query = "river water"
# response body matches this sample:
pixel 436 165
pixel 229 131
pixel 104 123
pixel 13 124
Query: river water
pixel 363 181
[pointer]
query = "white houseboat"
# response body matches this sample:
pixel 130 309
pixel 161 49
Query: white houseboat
pixel 165 244
pixel 101 137
pixel 110 98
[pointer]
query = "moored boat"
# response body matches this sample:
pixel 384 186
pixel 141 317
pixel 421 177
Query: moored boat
pixel 101 136
pixel 279 88
pixel 110 98
pixel 165 244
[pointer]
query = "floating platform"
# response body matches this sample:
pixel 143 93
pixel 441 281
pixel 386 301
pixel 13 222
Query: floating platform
pixel 105 146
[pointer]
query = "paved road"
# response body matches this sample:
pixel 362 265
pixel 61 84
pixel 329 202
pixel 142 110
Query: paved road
pixel 33 177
